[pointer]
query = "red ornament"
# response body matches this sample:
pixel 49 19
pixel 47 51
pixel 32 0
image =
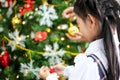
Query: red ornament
pixel 40 36
pixel 52 70
pixel 4 59
pixel 27 7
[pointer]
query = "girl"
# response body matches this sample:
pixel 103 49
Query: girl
pixel 98 22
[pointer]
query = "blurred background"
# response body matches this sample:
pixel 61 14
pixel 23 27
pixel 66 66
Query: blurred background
pixel 32 34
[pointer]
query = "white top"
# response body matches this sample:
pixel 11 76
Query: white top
pixel 85 68
pixel 52 76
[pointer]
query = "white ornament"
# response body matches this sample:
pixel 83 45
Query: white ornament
pixel 48 14
pixel 54 56
pixel 1 29
pixel 26 68
pixel 16 39
pixel 64 26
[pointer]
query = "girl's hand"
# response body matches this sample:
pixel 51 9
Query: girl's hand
pixel 44 72
pixel 67 13
pixel 59 68
pixel 78 37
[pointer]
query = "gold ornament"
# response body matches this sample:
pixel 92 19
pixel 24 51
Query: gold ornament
pixel 48 30
pixel 1 17
pixel 15 20
pixel 47 4
pixel 72 29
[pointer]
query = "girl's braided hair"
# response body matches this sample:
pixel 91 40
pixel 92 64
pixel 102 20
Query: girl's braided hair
pixel 108 13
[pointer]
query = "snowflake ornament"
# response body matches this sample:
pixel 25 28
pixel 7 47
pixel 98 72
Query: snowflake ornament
pixel 48 14
pixel 26 68
pixel 54 56
pixel 16 39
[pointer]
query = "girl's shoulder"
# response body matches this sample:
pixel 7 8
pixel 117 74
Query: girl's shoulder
pixel 82 57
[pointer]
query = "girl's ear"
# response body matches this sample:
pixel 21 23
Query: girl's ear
pixel 93 21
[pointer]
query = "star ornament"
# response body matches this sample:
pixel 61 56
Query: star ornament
pixel 40 36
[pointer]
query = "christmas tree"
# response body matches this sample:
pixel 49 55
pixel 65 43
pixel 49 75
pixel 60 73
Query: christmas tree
pixel 32 34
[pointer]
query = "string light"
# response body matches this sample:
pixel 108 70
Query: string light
pixel 36 9
pixel 15 57
pixel 27 36
pixel 68 46
pixel 17 76
pixel 62 38
pixel 59 27
pixel 23 22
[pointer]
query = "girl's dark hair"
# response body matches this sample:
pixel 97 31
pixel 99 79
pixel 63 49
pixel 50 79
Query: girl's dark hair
pixel 108 13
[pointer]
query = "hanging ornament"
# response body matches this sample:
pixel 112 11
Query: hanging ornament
pixel 53 54
pixel 48 30
pixel 72 29
pixel 15 20
pixel 4 57
pixel 52 70
pixel 16 39
pixel 48 14
pixel 28 68
pixel 40 36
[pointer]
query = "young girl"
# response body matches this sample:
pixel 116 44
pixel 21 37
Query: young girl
pixel 98 22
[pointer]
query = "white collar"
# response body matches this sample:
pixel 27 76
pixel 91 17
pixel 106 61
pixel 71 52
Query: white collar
pixel 95 46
